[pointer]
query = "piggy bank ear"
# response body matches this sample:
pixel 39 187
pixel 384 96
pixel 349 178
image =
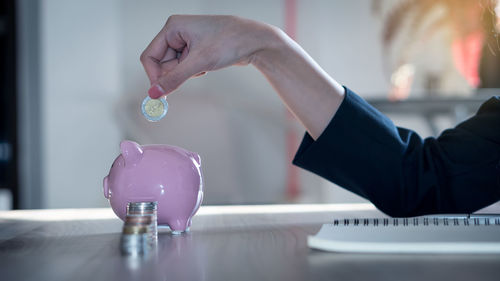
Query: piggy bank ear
pixel 196 158
pixel 131 151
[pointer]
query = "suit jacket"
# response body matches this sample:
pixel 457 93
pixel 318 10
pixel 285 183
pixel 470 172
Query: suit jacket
pixel 399 172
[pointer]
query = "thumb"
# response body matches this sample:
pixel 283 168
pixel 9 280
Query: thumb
pixel 171 80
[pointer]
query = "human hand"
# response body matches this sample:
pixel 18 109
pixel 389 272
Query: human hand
pixel 191 45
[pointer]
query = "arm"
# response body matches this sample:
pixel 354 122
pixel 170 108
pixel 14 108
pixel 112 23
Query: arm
pixel 305 88
pixel 190 45
pixel 401 173
pixel 348 141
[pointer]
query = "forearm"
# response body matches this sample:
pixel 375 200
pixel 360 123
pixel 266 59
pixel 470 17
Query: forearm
pixel 402 174
pixel 306 89
pixel 189 45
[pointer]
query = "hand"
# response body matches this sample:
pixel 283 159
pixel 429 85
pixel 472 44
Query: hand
pixel 191 45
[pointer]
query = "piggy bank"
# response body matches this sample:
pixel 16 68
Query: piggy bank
pixel 167 174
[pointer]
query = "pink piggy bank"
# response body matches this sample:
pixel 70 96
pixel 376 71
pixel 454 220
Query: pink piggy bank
pixel 167 174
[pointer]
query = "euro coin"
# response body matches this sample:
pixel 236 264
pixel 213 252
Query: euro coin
pixel 154 109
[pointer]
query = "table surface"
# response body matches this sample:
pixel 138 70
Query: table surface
pixel 225 243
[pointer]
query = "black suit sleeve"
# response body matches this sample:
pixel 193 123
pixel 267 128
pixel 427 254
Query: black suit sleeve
pixel 401 173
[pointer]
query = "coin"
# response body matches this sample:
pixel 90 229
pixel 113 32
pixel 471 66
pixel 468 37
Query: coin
pixel 154 109
pixel 143 212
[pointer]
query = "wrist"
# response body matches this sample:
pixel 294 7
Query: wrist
pixel 273 42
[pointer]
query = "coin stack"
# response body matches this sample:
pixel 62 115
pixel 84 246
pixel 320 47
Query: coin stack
pixel 140 232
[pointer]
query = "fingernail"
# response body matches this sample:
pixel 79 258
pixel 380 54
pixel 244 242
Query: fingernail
pixel 156 91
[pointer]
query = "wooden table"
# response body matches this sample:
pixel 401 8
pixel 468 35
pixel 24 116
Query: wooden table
pixel 225 243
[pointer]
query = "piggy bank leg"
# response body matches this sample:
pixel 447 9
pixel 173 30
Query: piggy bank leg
pixel 188 225
pixel 178 226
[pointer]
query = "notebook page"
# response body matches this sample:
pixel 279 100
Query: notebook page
pixel 410 235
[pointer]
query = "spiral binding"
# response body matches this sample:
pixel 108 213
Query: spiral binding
pixel 425 221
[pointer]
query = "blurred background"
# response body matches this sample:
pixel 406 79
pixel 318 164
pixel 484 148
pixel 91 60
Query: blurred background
pixel 72 85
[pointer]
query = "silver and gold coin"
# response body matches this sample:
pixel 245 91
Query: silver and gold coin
pixel 154 109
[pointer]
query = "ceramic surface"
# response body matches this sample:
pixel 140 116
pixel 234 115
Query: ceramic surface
pixel 167 174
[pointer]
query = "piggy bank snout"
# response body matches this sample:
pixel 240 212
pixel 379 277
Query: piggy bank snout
pixel 106 187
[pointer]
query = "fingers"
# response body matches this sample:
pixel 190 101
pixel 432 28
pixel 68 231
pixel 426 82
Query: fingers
pixel 169 55
pixel 152 56
pixel 178 72
pixel 168 61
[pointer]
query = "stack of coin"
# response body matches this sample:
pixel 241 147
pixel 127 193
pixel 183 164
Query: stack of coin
pixel 145 209
pixel 140 229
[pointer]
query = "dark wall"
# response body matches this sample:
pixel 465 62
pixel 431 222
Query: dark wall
pixel 8 105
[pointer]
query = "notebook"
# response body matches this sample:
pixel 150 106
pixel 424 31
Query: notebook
pixel 410 235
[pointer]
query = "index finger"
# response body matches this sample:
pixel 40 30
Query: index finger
pixel 153 54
